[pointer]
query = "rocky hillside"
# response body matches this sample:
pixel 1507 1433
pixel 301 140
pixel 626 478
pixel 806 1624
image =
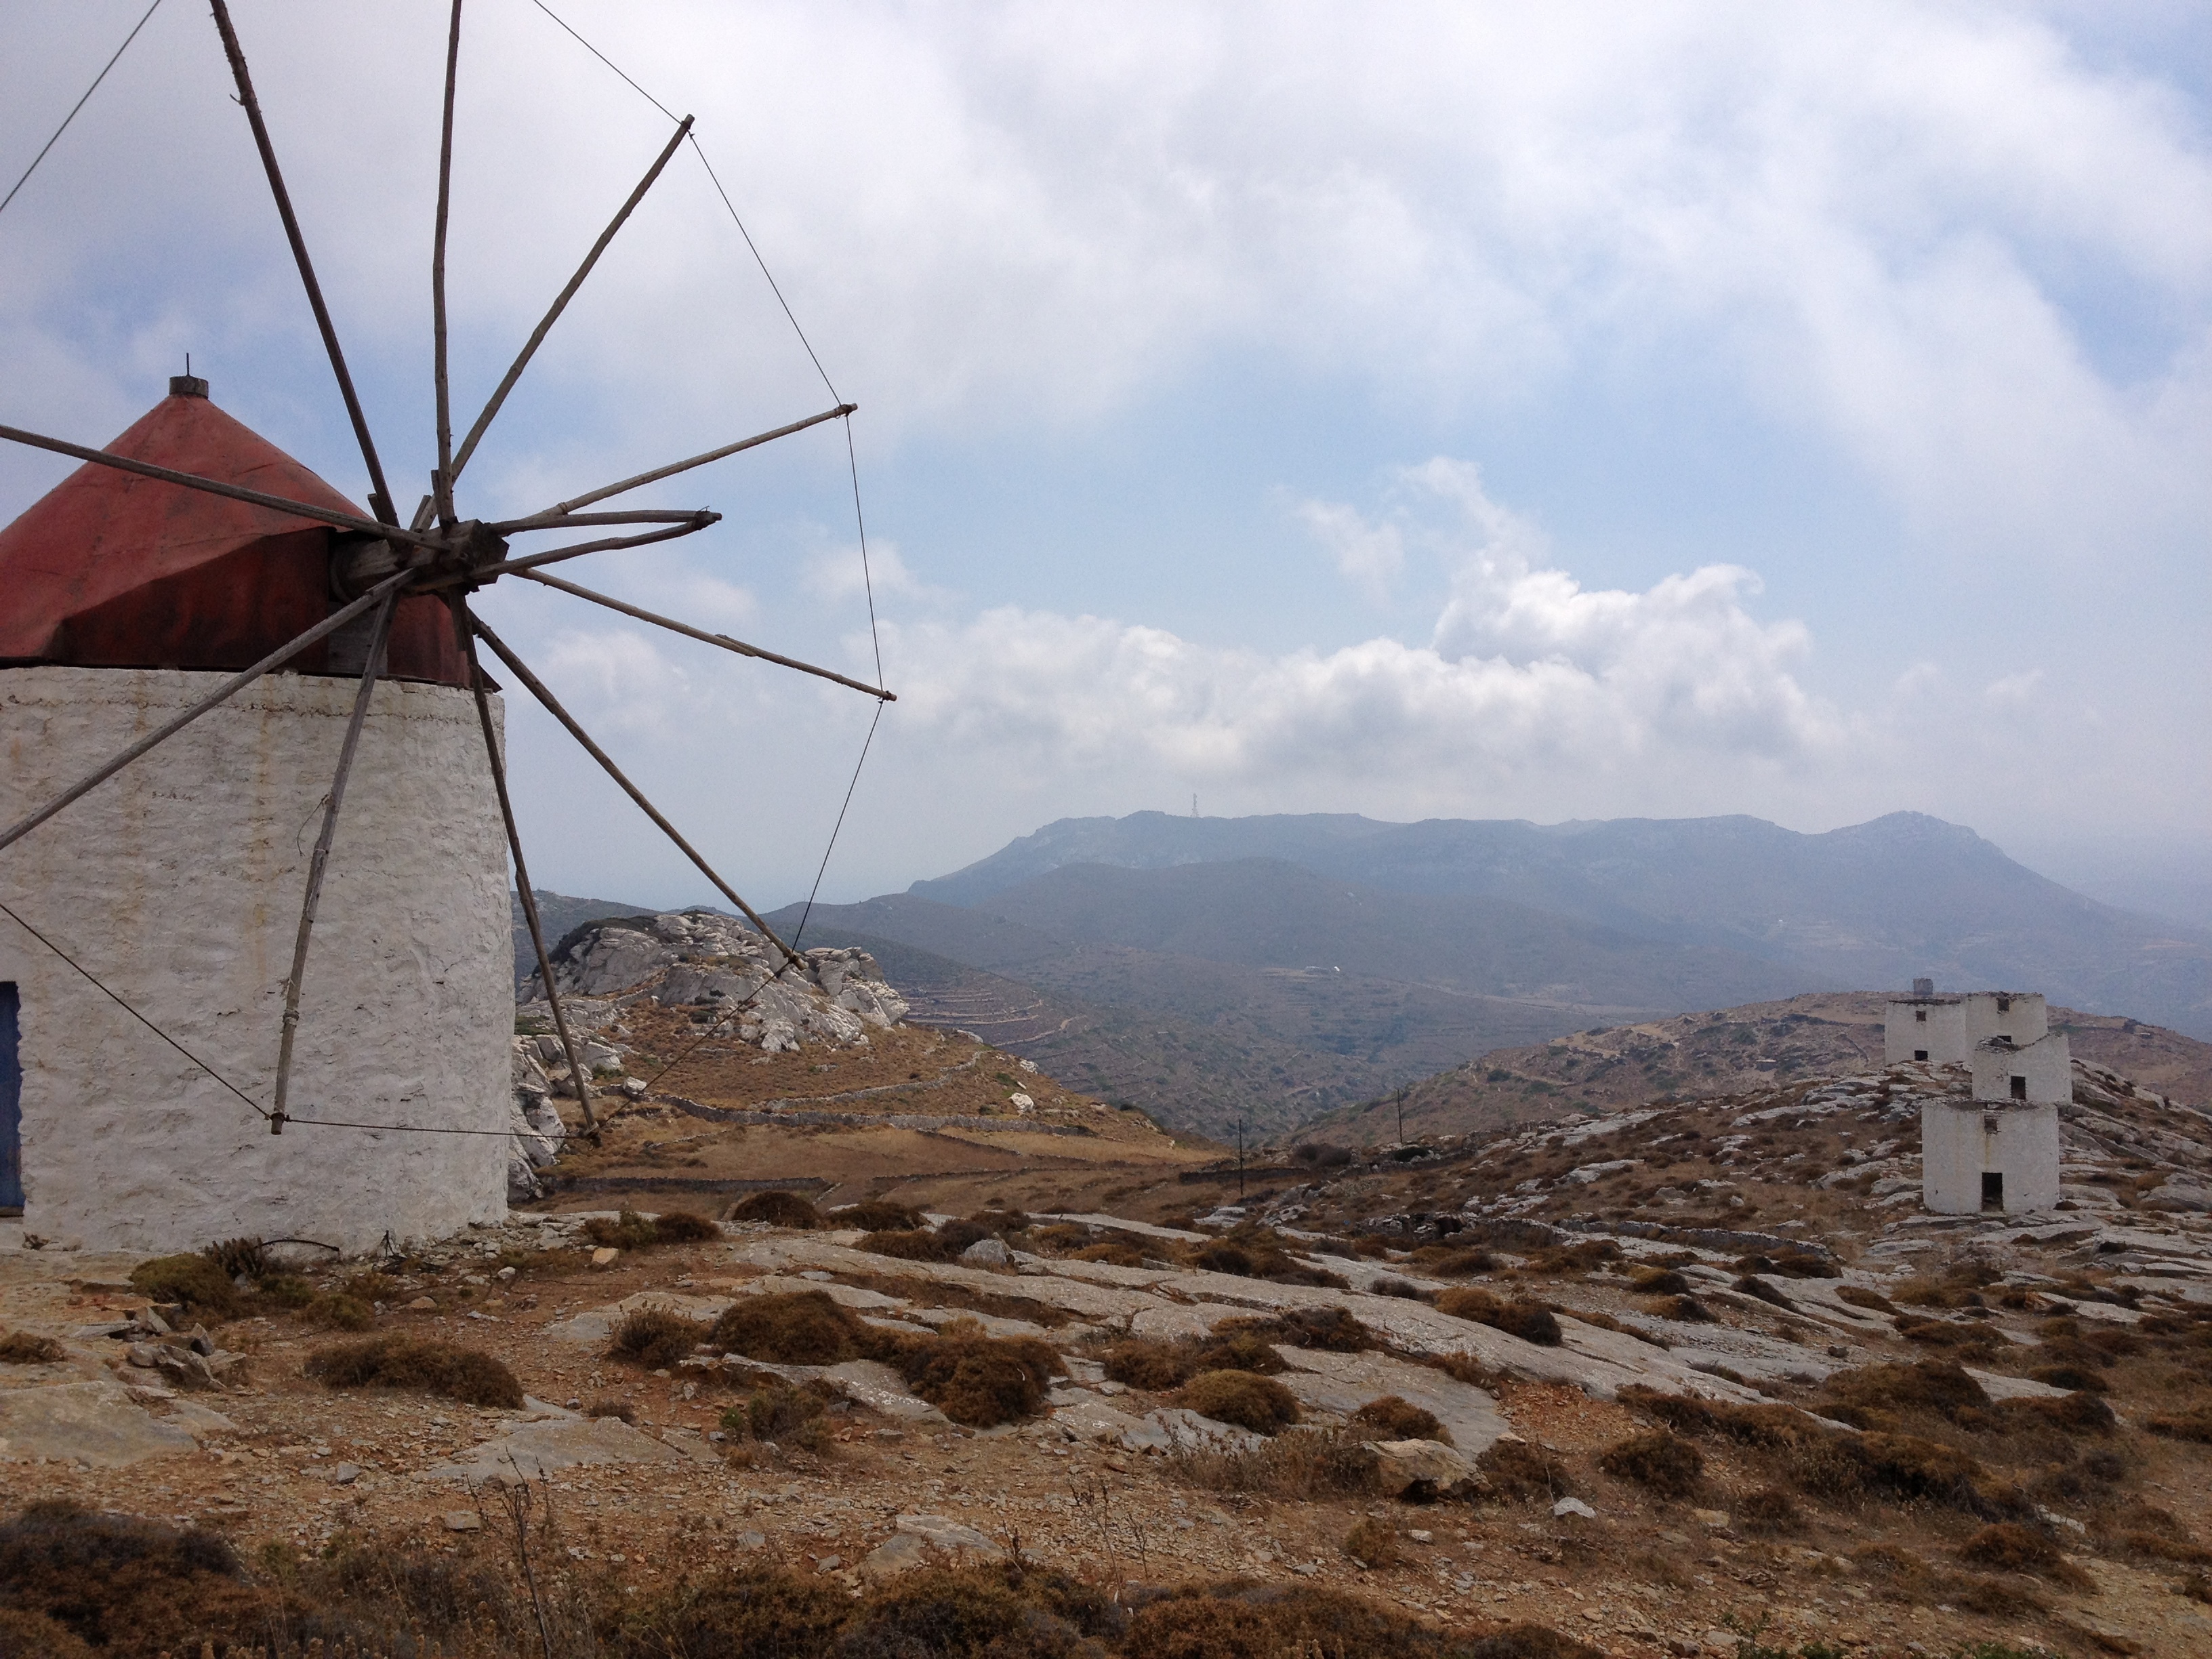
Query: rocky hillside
pixel 1694 1379
pixel 1615 1068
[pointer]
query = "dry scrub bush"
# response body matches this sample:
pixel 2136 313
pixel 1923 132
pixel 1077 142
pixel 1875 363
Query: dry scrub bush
pixel 1876 1396
pixel 608 1406
pixel 2194 1424
pixel 802 1327
pixel 977 1381
pixel 1116 1252
pixel 1156 1367
pixel 194 1280
pixel 876 1215
pixel 1750 1285
pixel 1266 1621
pixel 1258 1403
pixel 1578 1258
pixel 336 1311
pixel 1392 1418
pixel 1657 1281
pixel 22 1348
pixel 420 1365
pixel 779 1413
pixel 2068 1377
pixel 1768 1510
pixel 1307 1465
pixel 1789 1265
pixel 1251 1251
pixel 1514 1470
pixel 1528 1321
pixel 1859 1297
pixel 118 1582
pixel 2008 1547
pixel 630 1230
pixel 1374 1543
pixel 1658 1461
pixel 777 1209
pixel 1444 1261
pixel 656 1338
pixel 1005 1611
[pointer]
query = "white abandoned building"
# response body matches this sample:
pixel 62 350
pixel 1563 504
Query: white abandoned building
pixel 1999 1149
pixel 177 884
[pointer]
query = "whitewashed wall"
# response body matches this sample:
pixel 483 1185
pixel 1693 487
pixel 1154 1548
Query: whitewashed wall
pixel 179 884
pixel 2046 1064
pixel 2024 1017
pixel 1942 1035
pixel 1959 1144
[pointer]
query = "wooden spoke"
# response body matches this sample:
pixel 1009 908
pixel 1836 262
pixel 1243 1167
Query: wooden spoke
pixel 380 495
pixel 563 508
pixel 442 483
pixel 222 694
pixel 697 521
pixel 553 706
pixel 560 304
pixel 320 860
pixel 721 639
pixel 468 643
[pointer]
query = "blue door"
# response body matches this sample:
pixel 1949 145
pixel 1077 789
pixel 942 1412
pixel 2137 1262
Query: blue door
pixel 11 1103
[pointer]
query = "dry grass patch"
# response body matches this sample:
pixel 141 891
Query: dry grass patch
pixel 800 1328
pixel 1517 1471
pixel 2193 1425
pixel 1374 1544
pixel 194 1280
pixel 777 1208
pixel 976 1380
pixel 1258 1403
pixel 419 1365
pixel 1529 1321
pixel 22 1348
pixel 631 1230
pixel 1657 1460
pixel 876 1215
pixel 1306 1465
pixel 1392 1418
pixel 656 1338
pixel 2008 1547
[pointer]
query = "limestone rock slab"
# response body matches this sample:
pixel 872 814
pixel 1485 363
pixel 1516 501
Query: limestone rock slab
pixel 1343 1382
pixel 96 1424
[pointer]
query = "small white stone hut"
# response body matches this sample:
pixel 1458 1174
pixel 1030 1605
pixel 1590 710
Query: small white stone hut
pixel 1998 1150
pixel 177 883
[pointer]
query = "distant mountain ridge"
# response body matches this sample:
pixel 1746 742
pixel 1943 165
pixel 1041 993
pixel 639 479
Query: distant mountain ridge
pixel 1871 904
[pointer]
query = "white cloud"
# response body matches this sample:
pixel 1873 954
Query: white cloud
pixel 835 574
pixel 1529 678
pixel 1369 556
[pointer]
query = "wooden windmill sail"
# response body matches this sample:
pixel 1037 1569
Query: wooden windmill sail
pixel 218 537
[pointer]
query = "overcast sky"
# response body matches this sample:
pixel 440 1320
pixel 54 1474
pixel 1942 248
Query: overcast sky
pixel 1457 411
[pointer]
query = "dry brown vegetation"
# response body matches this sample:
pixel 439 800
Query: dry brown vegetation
pixel 1258 1403
pixel 1528 1321
pixel 777 1209
pixel 419 1364
pixel 23 1348
pixel 656 1338
pixel 1393 1419
pixel 629 1231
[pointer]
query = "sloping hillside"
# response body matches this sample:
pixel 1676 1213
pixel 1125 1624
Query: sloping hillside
pixel 1871 904
pixel 1704 1055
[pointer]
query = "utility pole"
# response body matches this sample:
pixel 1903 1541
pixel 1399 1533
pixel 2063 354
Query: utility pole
pixel 1399 1101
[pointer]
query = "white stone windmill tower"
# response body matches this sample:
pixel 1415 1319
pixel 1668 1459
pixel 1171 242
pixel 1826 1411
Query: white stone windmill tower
pixel 209 661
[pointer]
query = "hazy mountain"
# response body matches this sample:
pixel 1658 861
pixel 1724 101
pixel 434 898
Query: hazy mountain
pixel 1870 905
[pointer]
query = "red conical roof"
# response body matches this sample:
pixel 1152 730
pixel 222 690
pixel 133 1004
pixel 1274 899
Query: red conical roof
pixel 111 570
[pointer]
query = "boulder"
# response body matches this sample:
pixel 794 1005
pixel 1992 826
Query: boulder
pixel 1402 1466
pixel 988 1253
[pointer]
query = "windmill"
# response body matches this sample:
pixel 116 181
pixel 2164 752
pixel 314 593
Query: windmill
pixel 157 600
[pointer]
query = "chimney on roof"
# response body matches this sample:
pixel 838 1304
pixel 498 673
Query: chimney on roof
pixel 1921 988
pixel 187 385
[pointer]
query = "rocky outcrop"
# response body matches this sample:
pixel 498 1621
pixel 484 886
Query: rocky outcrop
pixel 728 977
pixel 697 960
